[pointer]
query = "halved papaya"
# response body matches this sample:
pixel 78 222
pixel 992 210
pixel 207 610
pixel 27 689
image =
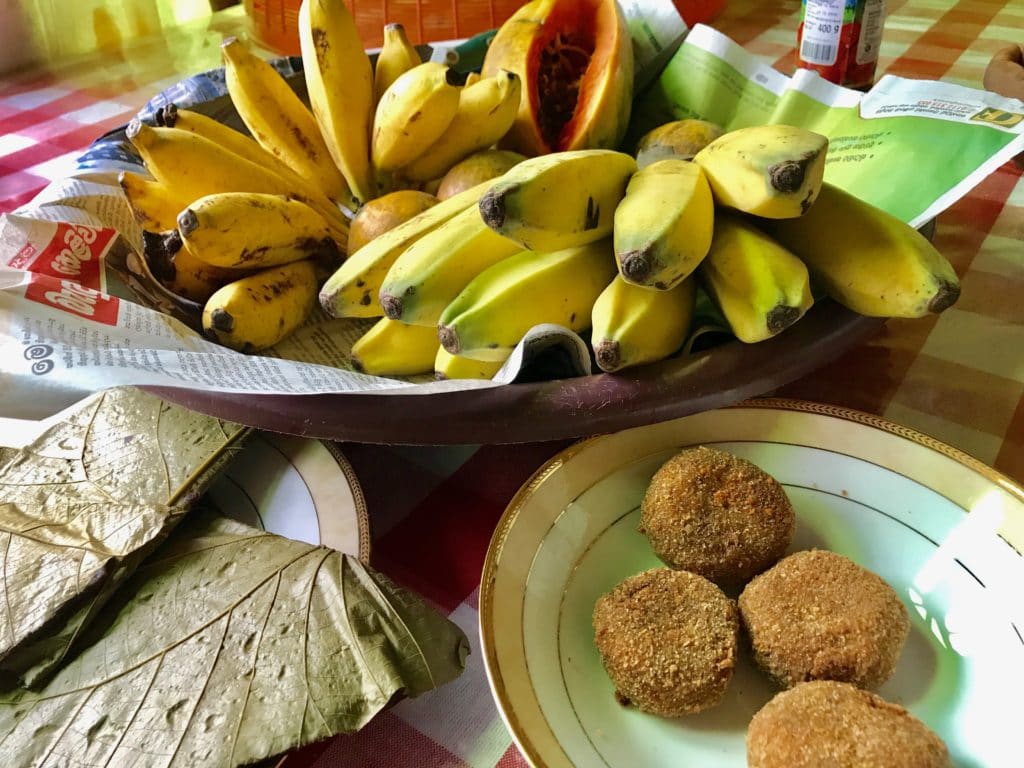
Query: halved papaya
pixel 575 58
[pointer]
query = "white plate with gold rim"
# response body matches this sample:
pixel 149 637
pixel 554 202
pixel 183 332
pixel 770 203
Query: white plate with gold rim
pixel 943 529
pixel 296 487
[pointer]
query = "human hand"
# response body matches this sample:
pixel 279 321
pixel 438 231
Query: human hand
pixel 1005 76
pixel 1005 72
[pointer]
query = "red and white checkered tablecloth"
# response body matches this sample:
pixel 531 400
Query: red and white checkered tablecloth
pixel 958 376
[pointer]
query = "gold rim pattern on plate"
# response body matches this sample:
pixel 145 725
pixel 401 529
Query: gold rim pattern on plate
pixel 511 513
pixel 362 514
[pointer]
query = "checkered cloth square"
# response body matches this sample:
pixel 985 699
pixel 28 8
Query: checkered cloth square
pixel 958 377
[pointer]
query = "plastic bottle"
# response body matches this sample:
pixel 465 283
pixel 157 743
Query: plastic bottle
pixel 839 39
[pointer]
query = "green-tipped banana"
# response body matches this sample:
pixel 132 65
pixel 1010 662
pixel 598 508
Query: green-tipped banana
pixel 761 288
pixel 494 312
pixel 486 111
pixel 434 269
pixel 256 312
pixel 867 259
pixel 397 56
pixel 449 366
pixel 278 119
pixel 559 200
pixel 663 226
pixel 412 114
pixel 391 348
pixel 352 291
pixel 634 325
pixel 252 230
pixel 772 171
pixel 339 79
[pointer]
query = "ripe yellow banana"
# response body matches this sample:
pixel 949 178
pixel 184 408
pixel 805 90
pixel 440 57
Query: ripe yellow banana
pixel 227 137
pixel 392 348
pixel 494 312
pixel 434 269
pixel 257 311
pixel 559 200
pixel 397 56
pixel 412 114
pixel 247 147
pixel 761 288
pixel 178 269
pixel 486 112
pixel 194 166
pixel 352 291
pixel 449 366
pixel 772 171
pixel 339 78
pixel 254 230
pixel 279 120
pixel 634 325
pixel 154 205
pixel 472 78
pixel 663 226
pixel 868 260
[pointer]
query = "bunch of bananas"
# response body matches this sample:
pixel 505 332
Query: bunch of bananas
pixel 246 227
pixel 585 239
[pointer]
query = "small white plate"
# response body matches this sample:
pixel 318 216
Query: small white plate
pixel 943 529
pixel 296 487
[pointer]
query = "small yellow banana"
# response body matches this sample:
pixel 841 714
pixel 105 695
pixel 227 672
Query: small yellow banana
pixel 154 205
pixel 634 325
pixel 392 348
pixel 486 111
pixel 247 147
pixel 397 56
pixel 761 288
pixel 867 259
pixel 352 291
pixel 449 366
pixel 227 137
pixel 663 226
pixel 559 200
pixel 194 166
pixel 254 230
pixel 279 120
pixel 502 303
pixel 257 311
pixel 412 114
pixel 773 171
pixel 180 271
pixel 339 78
pixel 434 269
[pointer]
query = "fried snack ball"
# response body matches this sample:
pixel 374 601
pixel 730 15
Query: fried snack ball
pixel 668 641
pixel 839 725
pixel 716 514
pixel 817 615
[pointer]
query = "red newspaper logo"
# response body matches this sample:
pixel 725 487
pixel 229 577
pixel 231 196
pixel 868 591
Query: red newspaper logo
pixel 75 252
pixel 22 257
pixel 71 297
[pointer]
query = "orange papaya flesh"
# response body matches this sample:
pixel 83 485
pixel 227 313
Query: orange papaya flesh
pixel 576 61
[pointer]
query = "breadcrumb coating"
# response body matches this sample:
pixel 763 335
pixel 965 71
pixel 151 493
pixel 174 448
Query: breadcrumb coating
pixel 668 641
pixel 825 723
pixel 716 514
pixel 817 615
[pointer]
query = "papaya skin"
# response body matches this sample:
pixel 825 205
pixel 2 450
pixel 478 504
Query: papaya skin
pixel 605 95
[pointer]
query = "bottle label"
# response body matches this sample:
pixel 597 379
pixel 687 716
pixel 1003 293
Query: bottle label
pixel 871 31
pixel 823 23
